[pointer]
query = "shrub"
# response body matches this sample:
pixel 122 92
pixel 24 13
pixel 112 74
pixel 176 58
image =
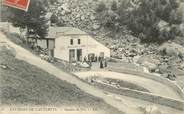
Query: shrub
pixel 146 18
pixel 101 7
pixel 114 6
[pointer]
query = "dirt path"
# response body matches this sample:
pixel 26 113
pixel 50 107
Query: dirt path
pixel 25 55
pixel 152 85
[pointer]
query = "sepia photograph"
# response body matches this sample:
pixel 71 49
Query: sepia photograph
pixel 91 56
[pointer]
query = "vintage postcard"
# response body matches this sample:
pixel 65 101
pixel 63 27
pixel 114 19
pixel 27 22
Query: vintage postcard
pixel 92 57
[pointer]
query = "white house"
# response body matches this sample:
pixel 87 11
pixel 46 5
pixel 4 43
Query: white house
pixel 72 44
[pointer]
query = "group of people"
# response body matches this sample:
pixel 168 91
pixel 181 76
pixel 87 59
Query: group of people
pixel 103 63
pixel 101 60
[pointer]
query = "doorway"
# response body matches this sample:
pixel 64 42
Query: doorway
pixel 79 54
pixel 71 55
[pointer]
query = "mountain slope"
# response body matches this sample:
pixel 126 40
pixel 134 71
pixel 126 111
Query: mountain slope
pixel 24 84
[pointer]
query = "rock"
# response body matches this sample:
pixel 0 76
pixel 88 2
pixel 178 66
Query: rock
pixel 165 75
pixel 63 12
pixel 182 65
pixel 149 63
pixel 150 66
pixel 136 58
pixel 64 6
pixel 163 25
pixel 96 26
pixel 171 76
pixel 163 68
pixel 3 66
pixel 171 49
pixel 78 16
pixel 152 110
pixel 82 18
pixel 92 17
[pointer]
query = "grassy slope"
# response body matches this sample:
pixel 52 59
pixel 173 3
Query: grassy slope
pixel 24 84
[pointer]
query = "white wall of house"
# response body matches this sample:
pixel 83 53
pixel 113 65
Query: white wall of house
pixel 87 44
pixel 42 43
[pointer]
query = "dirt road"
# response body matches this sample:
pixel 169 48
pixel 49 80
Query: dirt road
pixel 109 98
pixel 152 85
pixel 27 56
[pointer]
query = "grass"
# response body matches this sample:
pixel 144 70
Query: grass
pixel 126 84
pixel 119 83
pixel 123 66
pixel 25 84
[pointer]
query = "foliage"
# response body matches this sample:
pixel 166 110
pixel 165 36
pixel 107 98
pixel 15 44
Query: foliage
pixel 53 1
pixel 150 20
pixel 109 20
pixel 34 19
pixel 101 7
pixel 54 19
pixel 5 13
pixel 154 20
pixel 114 6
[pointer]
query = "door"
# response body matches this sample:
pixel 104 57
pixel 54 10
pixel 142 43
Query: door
pixel 101 57
pixel 51 52
pixel 79 54
pixel 71 55
pixel 91 57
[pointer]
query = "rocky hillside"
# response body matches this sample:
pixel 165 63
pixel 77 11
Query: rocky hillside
pixel 82 14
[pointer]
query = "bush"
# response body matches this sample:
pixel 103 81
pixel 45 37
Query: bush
pixel 101 7
pixel 144 21
pixel 54 19
pixel 114 6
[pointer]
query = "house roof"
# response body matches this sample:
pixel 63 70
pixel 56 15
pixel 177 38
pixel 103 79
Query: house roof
pixel 54 32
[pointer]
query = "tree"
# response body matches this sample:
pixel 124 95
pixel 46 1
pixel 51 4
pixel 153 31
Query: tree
pixel 54 19
pixel 101 7
pixel 114 6
pixel 155 20
pixel 34 19
pixel 53 1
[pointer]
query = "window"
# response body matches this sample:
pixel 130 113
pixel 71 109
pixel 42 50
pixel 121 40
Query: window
pixel 79 41
pixel 71 41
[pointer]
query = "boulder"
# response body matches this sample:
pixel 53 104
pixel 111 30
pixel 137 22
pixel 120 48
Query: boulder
pixel 163 68
pixel 82 18
pixel 182 65
pixel 92 17
pixel 96 26
pixel 150 66
pixel 3 66
pixel 152 110
pixel 149 63
pixel 171 49
pixel 136 58
pixel 163 25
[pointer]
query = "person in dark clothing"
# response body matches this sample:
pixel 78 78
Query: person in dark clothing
pixel 85 59
pixel 90 64
pixel 101 64
pixel 105 63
